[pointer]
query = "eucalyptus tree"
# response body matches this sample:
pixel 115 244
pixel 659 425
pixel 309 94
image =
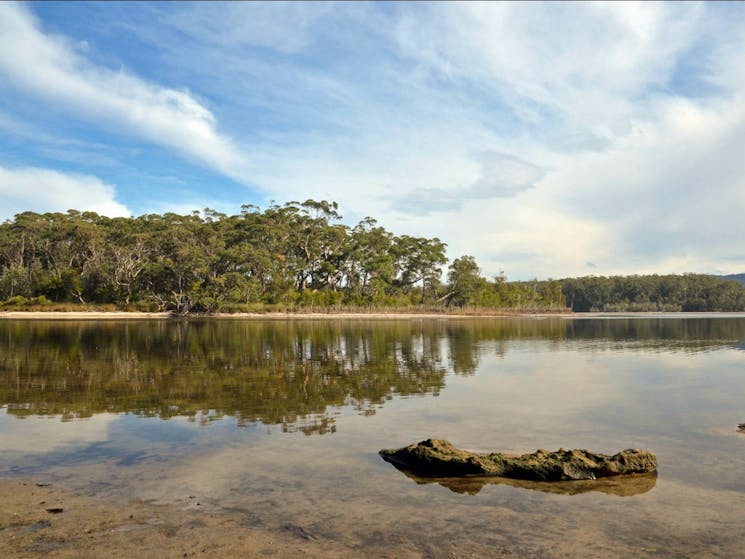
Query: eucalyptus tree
pixel 370 266
pixel 464 282
pixel 318 244
pixel 418 260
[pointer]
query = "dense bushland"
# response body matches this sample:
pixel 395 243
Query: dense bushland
pixel 290 257
pixel 287 257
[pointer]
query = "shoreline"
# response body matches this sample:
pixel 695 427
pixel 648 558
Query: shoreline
pixel 140 315
pixel 137 315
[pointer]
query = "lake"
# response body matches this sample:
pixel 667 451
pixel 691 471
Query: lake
pixel 282 421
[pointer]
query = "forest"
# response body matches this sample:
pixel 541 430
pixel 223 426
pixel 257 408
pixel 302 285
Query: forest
pixel 740 278
pixel 291 257
pixel 664 293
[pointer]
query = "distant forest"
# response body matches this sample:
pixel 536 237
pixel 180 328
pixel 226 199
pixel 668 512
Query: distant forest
pixel 740 278
pixel 295 256
pixel 671 293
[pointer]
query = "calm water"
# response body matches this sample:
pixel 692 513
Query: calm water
pixel 282 421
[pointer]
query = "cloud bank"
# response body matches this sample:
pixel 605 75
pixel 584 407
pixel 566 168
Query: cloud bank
pixel 45 190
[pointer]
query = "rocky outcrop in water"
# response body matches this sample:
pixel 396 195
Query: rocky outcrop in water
pixel 741 427
pixel 435 457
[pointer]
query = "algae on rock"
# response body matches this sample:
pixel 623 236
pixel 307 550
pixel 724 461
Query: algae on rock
pixel 435 457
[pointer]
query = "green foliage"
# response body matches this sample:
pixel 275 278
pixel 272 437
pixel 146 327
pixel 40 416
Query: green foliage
pixel 292 256
pixel 15 281
pixel 739 278
pixel 467 288
pixel 688 292
pixel 466 283
pixel 15 302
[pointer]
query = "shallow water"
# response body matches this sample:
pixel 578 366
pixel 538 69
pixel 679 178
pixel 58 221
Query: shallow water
pixel 281 422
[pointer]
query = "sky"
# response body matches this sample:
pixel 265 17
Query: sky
pixel 546 140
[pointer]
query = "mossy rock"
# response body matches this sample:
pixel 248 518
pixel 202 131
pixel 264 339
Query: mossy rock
pixel 435 457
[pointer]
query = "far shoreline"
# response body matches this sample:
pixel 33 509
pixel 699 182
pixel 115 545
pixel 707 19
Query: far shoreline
pixel 288 316
pixel 139 315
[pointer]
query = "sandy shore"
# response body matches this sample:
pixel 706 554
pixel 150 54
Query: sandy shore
pixel 123 315
pixel 82 315
pixel 133 315
pixel 38 520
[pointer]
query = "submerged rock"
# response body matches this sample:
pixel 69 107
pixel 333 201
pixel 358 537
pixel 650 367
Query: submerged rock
pixel 435 457
pixel 741 427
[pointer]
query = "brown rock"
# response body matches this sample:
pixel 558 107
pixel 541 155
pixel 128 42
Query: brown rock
pixel 435 457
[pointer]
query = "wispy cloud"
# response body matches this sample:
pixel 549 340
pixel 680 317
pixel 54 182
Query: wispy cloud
pixel 56 72
pixel 499 176
pixel 286 27
pixel 578 68
pixel 539 137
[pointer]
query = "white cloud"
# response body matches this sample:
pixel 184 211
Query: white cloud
pixel 44 190
pixel 670 197
pixel 643 173
pixel 546 139
pixel 567 65
pixel 53 70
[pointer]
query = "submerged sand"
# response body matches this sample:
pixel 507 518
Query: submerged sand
pixel 38 520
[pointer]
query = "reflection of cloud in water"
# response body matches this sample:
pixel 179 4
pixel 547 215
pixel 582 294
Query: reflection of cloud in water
pixel 47 434
pixel 622 486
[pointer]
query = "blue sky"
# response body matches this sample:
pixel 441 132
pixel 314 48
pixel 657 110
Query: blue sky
pixel 547 140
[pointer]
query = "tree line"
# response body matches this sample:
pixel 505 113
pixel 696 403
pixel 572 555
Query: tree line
pixel 669 293
pixel 291 256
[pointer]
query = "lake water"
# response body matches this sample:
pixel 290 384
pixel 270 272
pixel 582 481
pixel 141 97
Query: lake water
pixel 282 422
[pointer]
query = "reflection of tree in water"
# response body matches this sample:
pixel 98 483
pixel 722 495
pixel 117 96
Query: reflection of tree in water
pixel 288 374
pixel 293 374
pixel 660 334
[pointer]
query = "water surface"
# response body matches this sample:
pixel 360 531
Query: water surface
pixel 282 421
